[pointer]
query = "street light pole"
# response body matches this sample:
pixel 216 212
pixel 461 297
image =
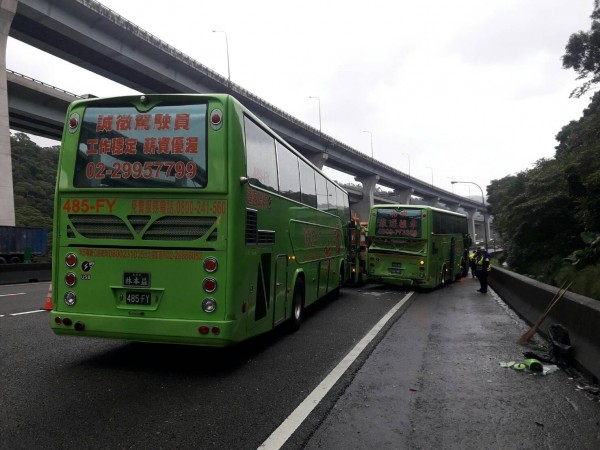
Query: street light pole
pixel 227 49
pixel 408 163
pixel 366 131
pixel 319 100
pixel 451 184
pixel 485 234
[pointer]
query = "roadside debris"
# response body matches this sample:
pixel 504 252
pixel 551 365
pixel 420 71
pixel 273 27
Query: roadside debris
pixel 558 354
pixel 592 392
pixel 525 337
pixel 531 365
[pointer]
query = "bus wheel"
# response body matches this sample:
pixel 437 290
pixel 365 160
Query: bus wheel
pixel 297 306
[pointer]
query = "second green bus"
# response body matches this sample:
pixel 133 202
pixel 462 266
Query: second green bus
pixel 416 245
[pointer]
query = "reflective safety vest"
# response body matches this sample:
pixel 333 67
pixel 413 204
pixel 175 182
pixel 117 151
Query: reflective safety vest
pixel 483 263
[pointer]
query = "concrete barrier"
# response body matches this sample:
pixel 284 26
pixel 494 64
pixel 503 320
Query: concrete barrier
pixel 579 314
pixel 24 273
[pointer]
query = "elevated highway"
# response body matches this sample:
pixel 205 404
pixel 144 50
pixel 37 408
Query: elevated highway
pixel 87 34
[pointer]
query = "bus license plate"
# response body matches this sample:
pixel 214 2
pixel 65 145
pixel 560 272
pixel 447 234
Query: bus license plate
pixel 136 279
pixel 137 298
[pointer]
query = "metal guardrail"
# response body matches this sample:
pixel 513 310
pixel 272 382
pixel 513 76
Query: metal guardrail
pixel 41 83
pixel 579 314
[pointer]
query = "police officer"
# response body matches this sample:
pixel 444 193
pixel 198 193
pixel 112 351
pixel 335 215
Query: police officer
pixel 472 263
pixel 482 268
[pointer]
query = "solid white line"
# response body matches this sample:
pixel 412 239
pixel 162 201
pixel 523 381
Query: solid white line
pixel 295 419
pixel 27 312
pixel 8 295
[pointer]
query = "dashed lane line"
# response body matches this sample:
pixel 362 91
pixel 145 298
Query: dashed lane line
pixel 27 312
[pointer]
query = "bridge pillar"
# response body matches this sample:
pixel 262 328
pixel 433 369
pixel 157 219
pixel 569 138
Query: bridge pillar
pixel 404 195
pixel 471 222
pixel 486 225
pixel 7 202
pixel 453 206
pixel 319 160
pixel 363 207
pixel 432 201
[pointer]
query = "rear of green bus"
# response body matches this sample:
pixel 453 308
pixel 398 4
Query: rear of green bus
pixel 398 246
pixel 141 220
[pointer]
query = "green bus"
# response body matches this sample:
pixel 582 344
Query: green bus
pixel 184 219
pixel 414 245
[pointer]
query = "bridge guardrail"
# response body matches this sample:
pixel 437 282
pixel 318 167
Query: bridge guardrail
pixel 579 314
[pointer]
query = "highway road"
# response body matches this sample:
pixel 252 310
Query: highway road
pixel 429 379
pixel 63 392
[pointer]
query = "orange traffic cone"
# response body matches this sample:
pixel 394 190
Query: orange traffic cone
pixel 48 303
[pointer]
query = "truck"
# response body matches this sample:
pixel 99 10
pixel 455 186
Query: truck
pixel 19 244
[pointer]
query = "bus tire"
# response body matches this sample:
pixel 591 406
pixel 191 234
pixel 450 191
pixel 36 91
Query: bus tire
pixel 297 306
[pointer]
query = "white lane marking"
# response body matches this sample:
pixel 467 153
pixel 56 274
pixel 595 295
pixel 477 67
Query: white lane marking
pixel 8 295
pixel 27 312
pixel 276 440
pixel 28 284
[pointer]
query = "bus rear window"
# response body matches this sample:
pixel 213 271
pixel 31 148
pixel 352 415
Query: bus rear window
pixel 161 148
pixel 398 223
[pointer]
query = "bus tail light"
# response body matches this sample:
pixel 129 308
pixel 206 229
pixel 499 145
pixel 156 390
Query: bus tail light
pixel 71 260
pixel 205 330
pixel 70 279
pixel 79 326
pixel 211 265
pixel 216 119
pixel 68 322
pixel 209 285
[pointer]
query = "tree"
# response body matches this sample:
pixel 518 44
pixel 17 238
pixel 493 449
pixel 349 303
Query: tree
pixel 582 54
pixel 34 175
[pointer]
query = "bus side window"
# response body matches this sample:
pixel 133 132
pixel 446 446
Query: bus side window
pixel 308 189
pixel 260 157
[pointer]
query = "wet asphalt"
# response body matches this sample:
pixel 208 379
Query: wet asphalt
pixel 434 381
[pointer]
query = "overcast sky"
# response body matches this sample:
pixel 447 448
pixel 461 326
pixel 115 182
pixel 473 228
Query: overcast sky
pixel 467 90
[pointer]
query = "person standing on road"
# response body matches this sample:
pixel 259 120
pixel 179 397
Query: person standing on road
pixel 482 267
pixel 472 263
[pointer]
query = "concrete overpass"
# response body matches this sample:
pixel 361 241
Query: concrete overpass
pixel 92 36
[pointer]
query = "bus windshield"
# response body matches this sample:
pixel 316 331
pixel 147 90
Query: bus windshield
pixel 120 146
